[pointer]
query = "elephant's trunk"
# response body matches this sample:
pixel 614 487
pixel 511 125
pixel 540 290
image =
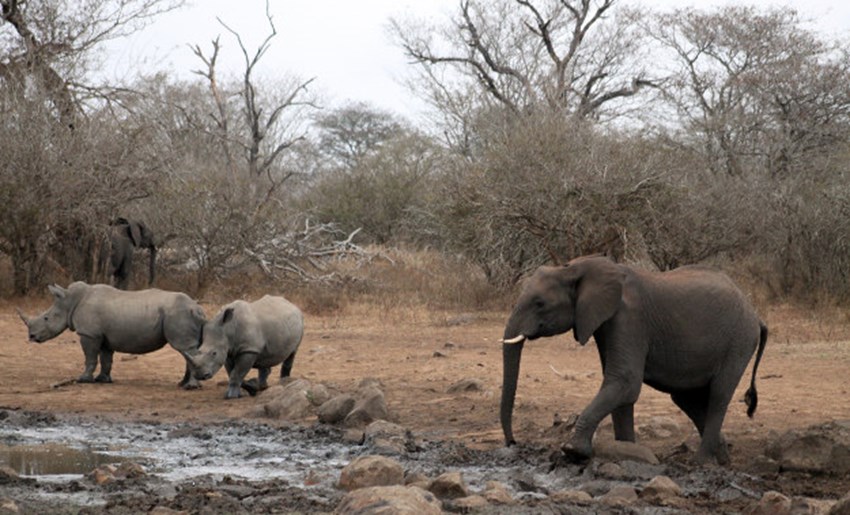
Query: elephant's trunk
pixel 511 354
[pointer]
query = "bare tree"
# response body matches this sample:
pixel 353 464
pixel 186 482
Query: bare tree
pixel 570 57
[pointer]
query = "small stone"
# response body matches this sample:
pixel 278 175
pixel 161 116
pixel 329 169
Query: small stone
pixel 130 470
pixel 497 493
pixel 610 470
pixel 8 475
pixel 471 502
pixel 8 506
pixel 661 488
pixel 809 506
pixel 466 385
pixel 449 485
pixel 101 476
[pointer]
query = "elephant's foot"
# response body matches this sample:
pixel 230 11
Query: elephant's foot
pixel 575 454
pixel 85 378
pixel 103 378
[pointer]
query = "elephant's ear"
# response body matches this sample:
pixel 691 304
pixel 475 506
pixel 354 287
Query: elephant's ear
pixel 135 233
pixel 598 295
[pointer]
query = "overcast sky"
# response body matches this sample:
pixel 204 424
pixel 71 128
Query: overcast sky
pixel 343 44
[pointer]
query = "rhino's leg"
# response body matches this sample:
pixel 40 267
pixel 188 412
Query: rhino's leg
pixel 91 350
pixel 189 382
pixel 286 368
pixel 263 377
pixel 105 375
pixel 240 366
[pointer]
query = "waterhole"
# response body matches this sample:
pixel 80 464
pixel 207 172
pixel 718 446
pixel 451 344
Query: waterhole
pixel 52 459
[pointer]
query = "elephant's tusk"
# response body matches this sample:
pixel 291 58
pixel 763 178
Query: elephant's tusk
pixel 516 339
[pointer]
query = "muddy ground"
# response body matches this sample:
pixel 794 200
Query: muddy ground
pixel 205 454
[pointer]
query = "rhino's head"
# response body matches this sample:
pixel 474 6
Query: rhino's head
pixel 215 342
pixel 52 322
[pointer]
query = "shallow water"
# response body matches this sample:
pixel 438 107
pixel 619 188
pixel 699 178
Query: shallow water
pixel 52 459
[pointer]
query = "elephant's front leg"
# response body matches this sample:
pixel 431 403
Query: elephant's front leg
pixel 616 394
pixel 91 350
pixel 105 375
pixel 239 368
pixel 623 418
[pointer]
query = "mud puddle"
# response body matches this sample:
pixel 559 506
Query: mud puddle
pixel 250 467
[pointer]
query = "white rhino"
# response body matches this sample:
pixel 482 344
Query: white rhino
pixel 245 335
pixel 109 320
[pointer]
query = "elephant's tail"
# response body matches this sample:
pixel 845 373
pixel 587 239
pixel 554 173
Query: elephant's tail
pixel 751 398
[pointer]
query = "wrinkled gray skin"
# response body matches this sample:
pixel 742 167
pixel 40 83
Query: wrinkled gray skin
pixel 125 236
pixel 244 335
pixel 109 320
pixel 689 332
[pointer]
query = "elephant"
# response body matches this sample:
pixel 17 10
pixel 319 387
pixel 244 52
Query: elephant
pixel 688 332
pixel 127 235
pixel 110 320
pixel 246 335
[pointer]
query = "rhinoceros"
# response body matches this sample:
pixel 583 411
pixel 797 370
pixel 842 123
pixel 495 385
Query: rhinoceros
pixel 109 320
pixel 242 336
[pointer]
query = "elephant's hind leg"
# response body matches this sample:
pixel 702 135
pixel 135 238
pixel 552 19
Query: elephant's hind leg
pixel 706 407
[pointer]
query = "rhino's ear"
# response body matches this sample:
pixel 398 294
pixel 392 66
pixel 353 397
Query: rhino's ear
pixel 57 291
pixel 227 316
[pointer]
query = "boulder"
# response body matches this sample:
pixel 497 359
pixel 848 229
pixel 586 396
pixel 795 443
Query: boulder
pixel 369 406
pixel 366 471
pixel 613 450
pixel 335 409
pixel 449 485
pixel 387 437
pixel 821 449
pixel 388 500
pixel 288 402
pixel 497 493
pixel 318 394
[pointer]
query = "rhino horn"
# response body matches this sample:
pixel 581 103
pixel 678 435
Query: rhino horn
pixel 23 317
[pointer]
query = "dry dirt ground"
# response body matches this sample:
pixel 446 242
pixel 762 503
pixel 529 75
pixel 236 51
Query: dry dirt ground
pixel 804 378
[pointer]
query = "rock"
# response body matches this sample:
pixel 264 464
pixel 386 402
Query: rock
pixel 821 449
pixel 416 478
pixel 471 502
pixel 449 485
pixel 661 488
pixel 808 506
pixel 334 410
pixel 595 487
pixel 613 450
pixel 354 436
pixel 771 503
pixel 620 495
pixel 163 510
pixel 366 471
pixel 610 470
pixel 369 406
pixel 129 470
pixel 386 437
pixel 466 385
pixel 102 475
pixel 763 466
pixel 659 427
pixel 289 401
pixel 497 493
pixel 388 500
pixel 318 394
pixel 842 507
pixel 572 497
pixel 8 506
pixel 8 475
